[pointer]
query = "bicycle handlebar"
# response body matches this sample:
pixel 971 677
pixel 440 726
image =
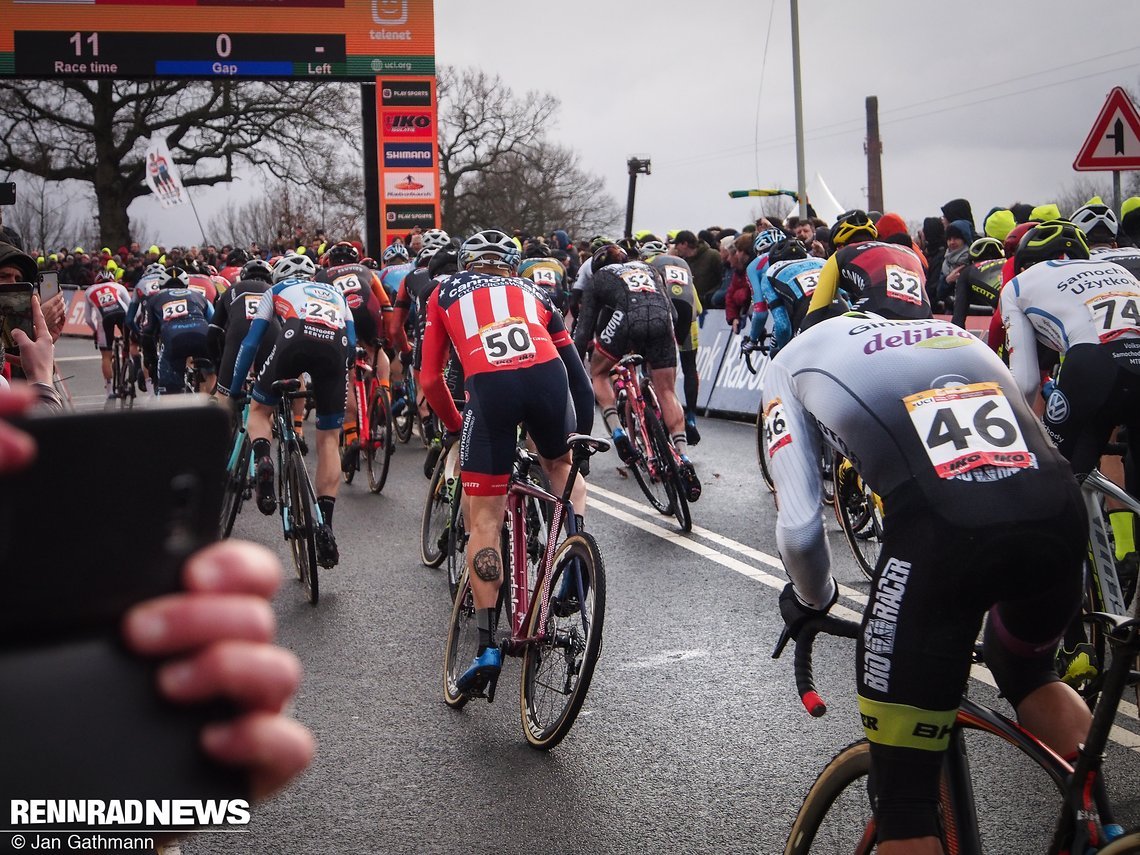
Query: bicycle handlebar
pixel 801 662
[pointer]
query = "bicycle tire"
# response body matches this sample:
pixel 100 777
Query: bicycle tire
pixel 843 778
pixel 304 540
pixel 653 488
pixel 434 522
pixel 675 488
pixel 117 372
pixel 378 447
pixel 858 513
pixel 570 648
pixel 1129 844
pixel 462 635
pixel 536 519
pixel 456 547
pixel 827 475
pixel 762 450
pixel 407 418
pixel 235 487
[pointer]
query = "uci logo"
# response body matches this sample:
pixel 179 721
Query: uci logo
pixel 1057 409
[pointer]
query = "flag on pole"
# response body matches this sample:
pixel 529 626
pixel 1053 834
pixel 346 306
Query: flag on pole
pixel 741 194
pixel 162 174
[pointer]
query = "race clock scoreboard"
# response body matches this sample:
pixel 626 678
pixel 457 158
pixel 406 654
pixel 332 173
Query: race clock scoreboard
pixel 265 39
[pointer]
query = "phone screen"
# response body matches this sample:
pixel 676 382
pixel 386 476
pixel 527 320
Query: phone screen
pixel 15 312
pixel 49 286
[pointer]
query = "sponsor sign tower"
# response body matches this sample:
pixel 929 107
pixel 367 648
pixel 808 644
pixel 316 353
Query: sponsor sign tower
pixel 409 165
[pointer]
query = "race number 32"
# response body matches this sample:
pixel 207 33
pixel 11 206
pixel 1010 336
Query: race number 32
pixel 903 284
pixel 964 427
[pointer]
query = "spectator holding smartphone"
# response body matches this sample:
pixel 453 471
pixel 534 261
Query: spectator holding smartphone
pixel 215 636
pixel 18 266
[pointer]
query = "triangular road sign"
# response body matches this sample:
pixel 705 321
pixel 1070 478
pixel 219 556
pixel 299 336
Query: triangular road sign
pixel 1114 141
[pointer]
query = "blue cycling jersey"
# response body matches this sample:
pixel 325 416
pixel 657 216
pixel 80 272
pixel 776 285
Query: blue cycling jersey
pixel 786 288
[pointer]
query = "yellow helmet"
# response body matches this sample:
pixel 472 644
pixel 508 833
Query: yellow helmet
pixel 852 225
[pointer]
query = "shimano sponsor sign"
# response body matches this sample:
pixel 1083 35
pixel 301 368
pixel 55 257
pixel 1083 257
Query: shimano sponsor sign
pixel 407 155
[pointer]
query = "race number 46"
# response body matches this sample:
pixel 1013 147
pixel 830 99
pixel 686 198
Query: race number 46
pixel 776 433
pixel 964 427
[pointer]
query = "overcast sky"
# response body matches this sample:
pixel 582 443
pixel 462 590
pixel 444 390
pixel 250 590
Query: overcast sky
pixel 986 100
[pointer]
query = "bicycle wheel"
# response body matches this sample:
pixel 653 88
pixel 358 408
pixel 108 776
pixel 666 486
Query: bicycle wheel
pixel 303 541
pixel 407 418
pixel 837 809
pixel 117 372
pixel 235 487
pixel 462 640
pixel 827 473
pixel 663 452
pixel 762 450
pixel 456 547
pixel 558 668
pixel 646 469
pixel 434 522
pixel 860 514
pixel 378 445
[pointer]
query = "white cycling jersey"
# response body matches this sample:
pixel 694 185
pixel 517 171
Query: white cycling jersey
pixel 1061 304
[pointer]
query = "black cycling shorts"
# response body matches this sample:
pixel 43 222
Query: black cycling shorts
pixel 105 335
pixel 497 403
pixel 933 585
pixel 1098 388
pixel 296 353
pixel 649 332
pixel 367 330
pixel 234 337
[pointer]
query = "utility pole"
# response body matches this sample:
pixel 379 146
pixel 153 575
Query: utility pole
pixel 797 89
pixel 873 148
pixel 638 164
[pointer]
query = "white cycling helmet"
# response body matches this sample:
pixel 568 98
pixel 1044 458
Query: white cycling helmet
pixel 492 247
pixel 653 247
pixel 1090 217
pixel 151 269
pixel 177 277
pixel 767 239
pixel 396 250
pixel 293 267
pixel 433 241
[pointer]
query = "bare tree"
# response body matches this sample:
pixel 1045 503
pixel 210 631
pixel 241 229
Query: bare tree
pixel 96 132
pixel 537 190
pixel 44 216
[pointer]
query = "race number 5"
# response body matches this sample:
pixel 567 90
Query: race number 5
pixel 964 427
pixel 506 342
pixel 903 284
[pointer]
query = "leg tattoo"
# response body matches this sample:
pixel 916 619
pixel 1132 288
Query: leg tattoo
pixel 488 566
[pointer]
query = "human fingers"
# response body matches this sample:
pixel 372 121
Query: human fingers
pixel 181 622
pixel 254 676
pixel 233 567
pixel 273 748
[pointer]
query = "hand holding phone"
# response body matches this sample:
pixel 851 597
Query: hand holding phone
pixel 37 352
pixel 15 312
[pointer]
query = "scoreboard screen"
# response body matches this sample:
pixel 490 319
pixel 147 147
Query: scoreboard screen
pixel 267 39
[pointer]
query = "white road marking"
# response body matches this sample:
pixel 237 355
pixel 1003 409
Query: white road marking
pixel 78 358
pixel 662 527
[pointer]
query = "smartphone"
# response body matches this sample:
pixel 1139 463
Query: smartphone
pixel 15 312
pixel 49 285
pixel 104 519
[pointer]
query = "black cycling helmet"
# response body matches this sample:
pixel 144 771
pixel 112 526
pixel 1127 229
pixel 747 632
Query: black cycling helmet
pixel 444 261
pixel 632 247
pixel 986 248
pixel 256 268
pixel 237 257
pixel 852 225
pixel 789 249
pixel 177 277
pixel 606 255
pixel 370 263
pixel 1049 241
pixel 343 253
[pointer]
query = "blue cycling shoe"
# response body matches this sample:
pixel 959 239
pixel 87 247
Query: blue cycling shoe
pixel 484 672
pixel 624 447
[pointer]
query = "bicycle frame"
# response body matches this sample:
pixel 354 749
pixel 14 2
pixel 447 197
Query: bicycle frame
pixel 523 600
pixel 287 442
pixel 363 384
pixel 1102 557
pixel 639 396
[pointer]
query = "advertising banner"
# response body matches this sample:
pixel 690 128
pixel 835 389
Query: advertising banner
pixel 162 174
pixel 409 165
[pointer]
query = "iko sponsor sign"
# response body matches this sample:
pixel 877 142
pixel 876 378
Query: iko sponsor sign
pixel 408 155
pixel 411 124
pixel 401 93
pixel 404 217
pixel 409 185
